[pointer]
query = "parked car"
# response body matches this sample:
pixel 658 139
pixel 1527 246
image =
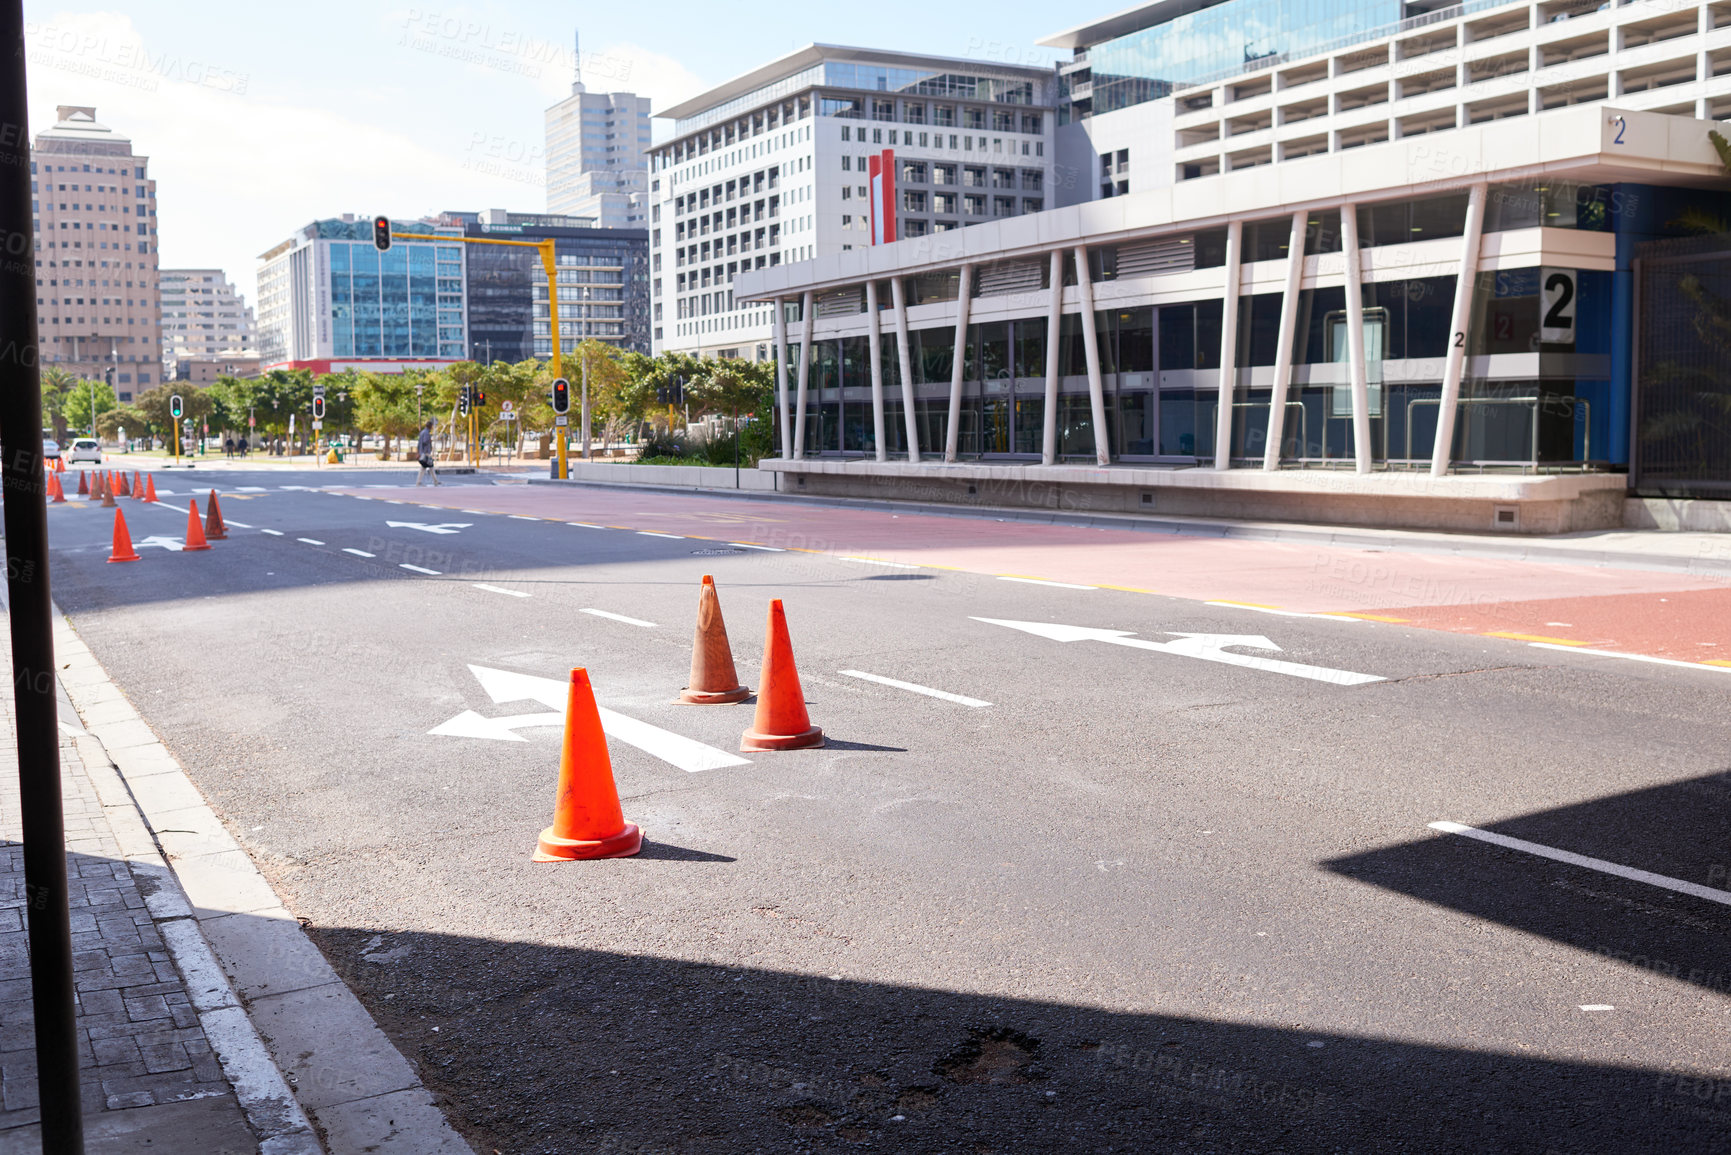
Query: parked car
pixel 85 449
pixel 50 448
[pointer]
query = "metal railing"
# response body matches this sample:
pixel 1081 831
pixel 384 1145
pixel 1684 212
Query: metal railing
pixel 1581 413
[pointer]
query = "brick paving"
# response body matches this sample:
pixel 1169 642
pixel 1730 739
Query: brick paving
pixel 141 1045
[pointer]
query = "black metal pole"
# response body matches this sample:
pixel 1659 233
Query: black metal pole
pixel 26 521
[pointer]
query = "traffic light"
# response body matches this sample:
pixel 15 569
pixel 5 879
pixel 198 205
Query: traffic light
pixel 561 396
pixel 318 408
pixel 174 406
pixel 480 397
pixel 381 233
pixel 463 401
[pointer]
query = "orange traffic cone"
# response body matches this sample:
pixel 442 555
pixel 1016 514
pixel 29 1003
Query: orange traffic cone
pixel 107 492
pixel 137 489
pixel 214 529
pixel 123 489
pixel 83 484
pixel 781 722
pixel 713 678
pixel 60 465
pixel 56 495
pixel 587 821
pixel 194 531
pixel 150 487
pixel 122 550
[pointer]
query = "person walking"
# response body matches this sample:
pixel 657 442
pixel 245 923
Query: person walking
pixel 228 448
pixel 424 446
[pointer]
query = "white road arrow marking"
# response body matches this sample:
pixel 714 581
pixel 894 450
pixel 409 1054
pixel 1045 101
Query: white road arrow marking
pixel 1208 647
pixel 442 527
pixel 168 543
pixel 505 686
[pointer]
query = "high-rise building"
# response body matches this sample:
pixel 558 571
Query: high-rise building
pixel 329 300
pixel 93 209
pixel 603 284
pixel 204 321
pixel 774 167
pixel 596 145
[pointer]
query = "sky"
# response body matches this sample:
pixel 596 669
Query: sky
pixel 259 118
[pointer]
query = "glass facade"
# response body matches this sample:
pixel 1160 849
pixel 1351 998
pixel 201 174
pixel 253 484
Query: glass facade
pixel 1148 64
pixel 404 302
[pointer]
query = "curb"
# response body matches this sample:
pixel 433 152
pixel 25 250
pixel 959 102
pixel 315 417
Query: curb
pixel 1346 537
pixel 275 1012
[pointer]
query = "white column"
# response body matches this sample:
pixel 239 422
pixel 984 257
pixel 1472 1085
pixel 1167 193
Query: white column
pixel 804 376
pixel 1091 351
pixel 905 363
pixel 1228 347
pixel 1283 345
pixel 1457 350
pixel 1054 325
pixel 1358 373
pixel 953 435
pixel 781 378
pixel 874 344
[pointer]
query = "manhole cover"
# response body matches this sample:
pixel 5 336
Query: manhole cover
pixel 713 552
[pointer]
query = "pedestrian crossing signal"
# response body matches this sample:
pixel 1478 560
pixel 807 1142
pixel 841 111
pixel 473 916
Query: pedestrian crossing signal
pixel 561 396
pixel 382 233
pixel 463 401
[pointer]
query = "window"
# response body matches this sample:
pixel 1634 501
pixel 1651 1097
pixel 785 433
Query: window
pixel 883 110
pixel 1003 206
pixel 943 174
pixel 914 113
pixel 974 118
pixel 847 162
pixel 974 206
pixel 1003 178
pixel 913 172
pixel 1032 204
pixel 1033 123
pixel 1033 179
pixel 1003 121
pixel 944 116
pixel 913 227
pixel 973 177
pixel 914 200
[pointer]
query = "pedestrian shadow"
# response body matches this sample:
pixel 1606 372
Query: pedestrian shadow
pixel 1681 831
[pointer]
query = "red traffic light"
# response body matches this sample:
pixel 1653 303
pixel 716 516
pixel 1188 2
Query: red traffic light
pixel 381 233
pixel 480 398
pixel 318 408
pixel 561 396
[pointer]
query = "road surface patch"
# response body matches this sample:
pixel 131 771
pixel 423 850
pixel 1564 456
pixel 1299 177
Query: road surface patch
pixel 879 561
pixel 1583 648
pixel 418 569
pixel 1711 894
pixel 500 590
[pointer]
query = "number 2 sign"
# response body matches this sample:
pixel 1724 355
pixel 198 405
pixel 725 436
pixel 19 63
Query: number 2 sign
pixel 1557 305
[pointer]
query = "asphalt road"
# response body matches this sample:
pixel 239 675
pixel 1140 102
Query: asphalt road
pixel 1142 901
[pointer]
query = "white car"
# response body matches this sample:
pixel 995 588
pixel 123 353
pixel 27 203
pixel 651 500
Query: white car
pixel 50 449
pixel 84 449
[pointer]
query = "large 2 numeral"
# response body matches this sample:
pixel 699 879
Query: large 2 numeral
pixel 1554 318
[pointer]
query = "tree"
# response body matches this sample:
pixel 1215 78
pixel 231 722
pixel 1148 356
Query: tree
pixel 154 405
pixel 86 400
pixel 384 403
pixel 57 386
pixel 127 417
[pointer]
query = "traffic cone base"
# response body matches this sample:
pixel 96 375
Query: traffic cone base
pixel 122 550
pixel 810 739
pixel 714 680
pixel 781 722
pixel 551 848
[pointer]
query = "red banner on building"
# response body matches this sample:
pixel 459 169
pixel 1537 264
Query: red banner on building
pixel 882 172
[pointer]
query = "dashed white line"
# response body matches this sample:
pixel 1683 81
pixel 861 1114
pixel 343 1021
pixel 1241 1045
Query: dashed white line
pixel 1711 894
pixel 358 552
pixel 1044 582
pixel 675 749
pixel 1281 613
pixel 418 569
pixel 310 540
pixel 500 590
pixel 879 561
pixel 652 533
pixel 621 618
pixel 586 524
pixel 959 699
pixel 1630 657
pixel 764 548
pixel 238 524
pixel 521 517
pixel 272 532
pixel 1596 1007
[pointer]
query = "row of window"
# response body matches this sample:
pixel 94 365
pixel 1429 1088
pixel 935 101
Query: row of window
pixel 964 143
pixel 766 209
pixel 971 176
pixel 973 205
pixel 746 186
pixel 756 124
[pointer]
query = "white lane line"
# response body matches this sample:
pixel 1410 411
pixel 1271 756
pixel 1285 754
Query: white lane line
pixel 418 569
pixel 1281 613
pixel 1044 582
pixel 879 561
pixel 521 517
pixel 1596 1006
pixel 586 524
pixel 238 524
pixel 272 532
pixel 621 618
pixel 176 508
pixel 1631 657
pixel 652 533
pixel 310 540
pixel 959 699
pixel 498 590
pixel 764 548
pixel 250 489
pixel 358 552
pixel 471 511
pixel 1709 893
pixel 680 751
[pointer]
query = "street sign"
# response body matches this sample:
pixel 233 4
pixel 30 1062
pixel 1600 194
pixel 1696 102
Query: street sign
pixel 561 420
pixel 251 422
pixel 317 424
pixel 506 407
pixel 507 415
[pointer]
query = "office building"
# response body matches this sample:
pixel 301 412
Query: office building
pixel 328 300
pixel 1462 268
pixel 597 145
pixel 603 284
pixel 774 166
pixel 205 322
pixel 93 210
